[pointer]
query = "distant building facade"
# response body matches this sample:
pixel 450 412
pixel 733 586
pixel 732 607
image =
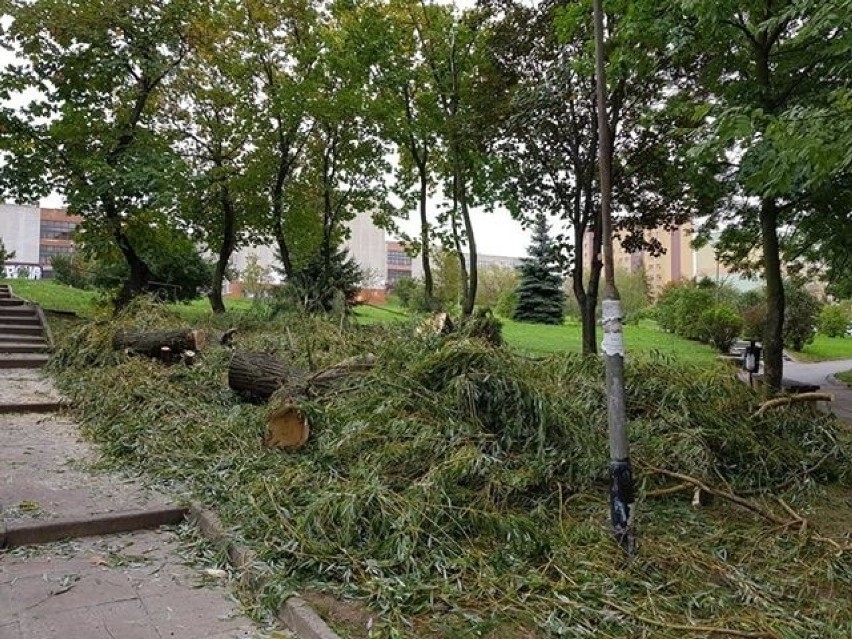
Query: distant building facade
pixel 35 235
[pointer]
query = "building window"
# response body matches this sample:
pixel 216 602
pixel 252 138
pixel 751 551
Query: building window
pixel 399 258
pixel 51 230
pixel 47 252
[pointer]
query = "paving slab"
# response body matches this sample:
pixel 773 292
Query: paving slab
pixel 43 474
pixel 23 385
pixel 131 586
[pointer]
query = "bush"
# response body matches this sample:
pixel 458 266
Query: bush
pixel 721 325
pixel 754 321
pixel 833 320
pixel 801 311
pixel 72 270
pixel 505 306
pixel 680 307
pixel 322 285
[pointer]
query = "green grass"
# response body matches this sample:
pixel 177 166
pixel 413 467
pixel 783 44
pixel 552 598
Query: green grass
pixel 644 337
pixel 845 377
pixel 826 348
pixel 53 296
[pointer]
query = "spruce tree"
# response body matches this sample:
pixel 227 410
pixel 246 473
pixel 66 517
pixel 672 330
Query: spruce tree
pixel 539 294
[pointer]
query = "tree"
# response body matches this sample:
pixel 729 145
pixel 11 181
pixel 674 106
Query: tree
pixel 211 118
pixel 409 117
pixel 772 81
pixel 5 255
pixel 90 75
pixel 550 139
pixel 539 296
pixel 469 96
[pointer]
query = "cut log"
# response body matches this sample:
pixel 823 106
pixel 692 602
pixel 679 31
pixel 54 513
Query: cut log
pixel 287 428
pixel 153 343
pixel 256 376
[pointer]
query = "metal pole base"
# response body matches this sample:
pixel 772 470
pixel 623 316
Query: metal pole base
pixel 621 503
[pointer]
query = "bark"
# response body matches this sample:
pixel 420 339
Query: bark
pixel 226 249
pixel 473 279
pixel 620 471
pixel 152 343
pixel 428 282
pixel 773 338
pixel 256 376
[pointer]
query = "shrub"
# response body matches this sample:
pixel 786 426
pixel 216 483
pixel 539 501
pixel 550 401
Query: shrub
pixel 72 270
pixel 323 285
pixel 833 320
pixel 801 311
pixel 721 325
pixel 4 255
pixel 406 289
pixel 680 307
pixel 754 321
pixel 506 304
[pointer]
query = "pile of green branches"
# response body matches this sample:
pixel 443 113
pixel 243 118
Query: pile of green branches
pixel 460 488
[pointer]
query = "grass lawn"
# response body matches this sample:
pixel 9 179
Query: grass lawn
pixel 845 377
pixel 53 296
pixel 823 348
pixel 644 338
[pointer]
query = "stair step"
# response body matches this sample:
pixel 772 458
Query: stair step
pixel 11 301
pixel 24 347
pixel 20 320
pixel 20 309
pixel 23 360
pixel 12 329
pixel 34 339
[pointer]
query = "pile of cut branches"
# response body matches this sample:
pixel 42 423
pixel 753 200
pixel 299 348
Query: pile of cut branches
pixel 460 489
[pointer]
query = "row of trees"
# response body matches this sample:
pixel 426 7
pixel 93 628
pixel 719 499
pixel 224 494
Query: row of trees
pixel 238 122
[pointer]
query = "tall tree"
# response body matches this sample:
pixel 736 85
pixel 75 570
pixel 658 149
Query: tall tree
pixel 210 117
pixel 409 116
pixel 89 74
pixel 280 46
pixel 540 298
pixel 469 95
pixel 550 140
pixel 778 122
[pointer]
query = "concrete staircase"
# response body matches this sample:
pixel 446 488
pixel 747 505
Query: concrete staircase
pixel 24 337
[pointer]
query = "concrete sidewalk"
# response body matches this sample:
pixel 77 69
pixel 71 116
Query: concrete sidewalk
pixel 128 586
pixel 822 374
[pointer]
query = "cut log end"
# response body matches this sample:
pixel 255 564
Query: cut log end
pixel 287 428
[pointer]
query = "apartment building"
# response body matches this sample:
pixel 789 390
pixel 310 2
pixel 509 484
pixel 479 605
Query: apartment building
pixel 35 235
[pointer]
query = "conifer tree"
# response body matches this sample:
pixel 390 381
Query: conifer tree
pixel 540 296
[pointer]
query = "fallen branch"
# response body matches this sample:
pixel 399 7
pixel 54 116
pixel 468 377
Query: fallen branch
pixel 786 401
pixel 707 630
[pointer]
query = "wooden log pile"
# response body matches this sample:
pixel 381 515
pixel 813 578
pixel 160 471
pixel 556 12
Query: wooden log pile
pixel 168 346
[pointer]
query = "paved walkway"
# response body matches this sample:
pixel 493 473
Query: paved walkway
pixel 821 373
pixel 130 586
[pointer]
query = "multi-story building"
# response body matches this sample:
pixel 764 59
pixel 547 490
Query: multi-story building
pixel 35 235
pixel 55 236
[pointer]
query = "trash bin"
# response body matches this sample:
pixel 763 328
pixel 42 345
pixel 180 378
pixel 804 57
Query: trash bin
pixel 751 357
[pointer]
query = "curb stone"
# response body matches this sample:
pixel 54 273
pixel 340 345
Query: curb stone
pixel 295 613
pixel 39 531
pixel 300 618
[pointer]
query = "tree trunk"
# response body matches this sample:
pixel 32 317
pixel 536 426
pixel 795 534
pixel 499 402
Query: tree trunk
pixel 620 471
pixel 428 282
pixel 773 338
pixel 152 343
pixel 226 249
pixel 256 376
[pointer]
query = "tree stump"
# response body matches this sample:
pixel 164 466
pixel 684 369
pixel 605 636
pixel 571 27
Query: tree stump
pixel 167 345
